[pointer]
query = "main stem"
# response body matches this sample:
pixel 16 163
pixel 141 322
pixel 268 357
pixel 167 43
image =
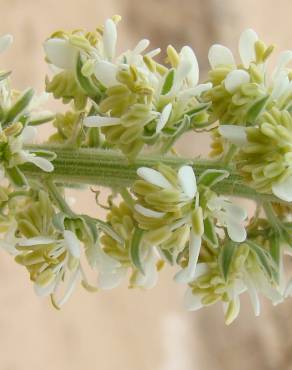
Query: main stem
pixel 111 169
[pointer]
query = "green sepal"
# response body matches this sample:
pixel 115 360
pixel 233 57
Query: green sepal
pixel 135 249
pixel 264 259
pixel 199 108
pixel 41 120
pixel 58 221
pixel 167 256
pixel 16 177
pixel 211 177
pixel 50 156
pixel 19 106
pixel 4 75
pixel 256 109
pixel 225 257
pixel 91 227
pixel 84 82
pixel 210 235
pixel 168 82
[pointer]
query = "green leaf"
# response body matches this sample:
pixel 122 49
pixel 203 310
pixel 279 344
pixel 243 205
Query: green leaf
pixel 256 109
pixel 19 106
pixel 167 256
pixel 59 220
pixel 210 235
pixel 225 258
pixel 265 259
pixel 135 249
pixel 211 177
pixel 168 82
pixel 16 177
pixel 84 82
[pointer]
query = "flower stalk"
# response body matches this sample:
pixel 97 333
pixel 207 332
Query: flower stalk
pixel 112 169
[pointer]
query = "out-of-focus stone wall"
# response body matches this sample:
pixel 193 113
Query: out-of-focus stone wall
pixel 124 329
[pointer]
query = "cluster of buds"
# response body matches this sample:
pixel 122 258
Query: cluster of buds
pixel 126 113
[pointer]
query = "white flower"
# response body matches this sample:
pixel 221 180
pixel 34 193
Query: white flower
pixel 188 185
pixel 61 53
pixel 111 272
pixel 250 280
pixel 149 278
pixel 187 274
pixel 234 134
pixel 9 240
pixel 283 189
pixel 229 215
pixel 63 270
pixel 220 55
pixel 27 136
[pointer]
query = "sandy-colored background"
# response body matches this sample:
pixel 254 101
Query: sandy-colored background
pixel 122 329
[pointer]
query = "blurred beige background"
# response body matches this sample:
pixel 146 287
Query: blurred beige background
pixel 124 329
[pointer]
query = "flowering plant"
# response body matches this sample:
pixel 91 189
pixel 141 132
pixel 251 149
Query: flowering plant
pixel 125 114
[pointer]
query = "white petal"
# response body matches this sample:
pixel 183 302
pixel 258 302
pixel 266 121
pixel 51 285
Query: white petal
pixel 75 276
pixel 5 42
pixel 28 134
pixel 106 72
pixel 235 230
pixel 153 53
pixel 194 91
pixel 235 312
pixel 281 84
pixel 149 279
pixel 253 294
pixel 219 55
pixel 188 274
pixel 201 269
pixel 46 290
pixel 283 190
pixel 153 177
pixel 247 42
pixel 148 212
pixel 284 58
pixel 98 121
pixel 40 162
pixel 38 240
pixel 235 79
pixel 141 46
pixel 72 243
pixel 192 302
pixel 106 264
pixel 61 53
pixel 163 119
pixel 235 212
pixel 187 181
pixel 235 134
pixel 109 38
pixel 110 280
pixel 188 54
pixel 288 290
pixel 183 70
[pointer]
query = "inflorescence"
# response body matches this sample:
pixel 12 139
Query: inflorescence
pixel 125 114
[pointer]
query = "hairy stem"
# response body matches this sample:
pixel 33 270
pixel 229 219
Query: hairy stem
pixel 112 169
